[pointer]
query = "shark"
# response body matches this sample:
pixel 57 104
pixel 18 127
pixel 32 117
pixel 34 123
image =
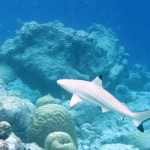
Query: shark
pixel 95 93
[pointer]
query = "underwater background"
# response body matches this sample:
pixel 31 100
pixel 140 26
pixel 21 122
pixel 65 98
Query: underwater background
pixel 43 41
pixel 129 19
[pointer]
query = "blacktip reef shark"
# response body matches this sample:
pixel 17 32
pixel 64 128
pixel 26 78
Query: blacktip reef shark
pixel 95 93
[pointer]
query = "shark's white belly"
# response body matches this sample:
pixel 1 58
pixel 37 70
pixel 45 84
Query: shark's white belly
pixel 102 98
pixel 93 92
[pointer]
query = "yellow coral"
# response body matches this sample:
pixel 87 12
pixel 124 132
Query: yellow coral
pixel 47 99
pixel 51 118
pixel 59 141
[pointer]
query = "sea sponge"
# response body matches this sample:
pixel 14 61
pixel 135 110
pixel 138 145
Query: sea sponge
pixel 47 99
pixel 59 141
pixel 51 118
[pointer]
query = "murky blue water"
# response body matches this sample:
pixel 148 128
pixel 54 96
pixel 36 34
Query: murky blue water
pixel 129 19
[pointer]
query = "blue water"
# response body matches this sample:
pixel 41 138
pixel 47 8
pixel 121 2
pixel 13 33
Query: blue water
pixel 129 19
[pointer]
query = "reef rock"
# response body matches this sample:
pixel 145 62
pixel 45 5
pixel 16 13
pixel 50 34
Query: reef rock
pixel 5 130
pixel 118 146
pixel 3 92
pixel 51 51
pixel 7 73
pixel 3 145
pixel 18 112
pixel 138 79
pixel 32 146
pixel 14 143
pixel 19 88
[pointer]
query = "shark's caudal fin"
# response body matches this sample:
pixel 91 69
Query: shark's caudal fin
pixel 139 118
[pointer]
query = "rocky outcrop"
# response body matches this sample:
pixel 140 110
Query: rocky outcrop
pixel 18 112
pixel 5 130
pixel 43 53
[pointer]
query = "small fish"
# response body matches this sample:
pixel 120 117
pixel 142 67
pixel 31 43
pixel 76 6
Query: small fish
pixel 95 93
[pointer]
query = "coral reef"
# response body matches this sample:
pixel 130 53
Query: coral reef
pixel 3 92
pixel 5 130
pixel 18 112
pixel 59 141
pixel 8 140
pixel 84 112
pixel 140 140
pixel 42 53
pixel 3 145
pixel 123 93
pixel 138 79
pixel 33 146
pixel 118 146
pixel 109 128
pixel 51 118
pixel 47 99
pixel 51 51
pixel 14 143
pixel 22 89
pixel 7 73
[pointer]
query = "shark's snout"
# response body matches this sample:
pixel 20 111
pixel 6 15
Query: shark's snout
pixel 62 82
pixel 59 82
pixel 67 84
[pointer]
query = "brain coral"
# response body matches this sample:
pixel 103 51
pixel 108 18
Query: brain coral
pixel 47 99
pixel 51 118
pixel 59 141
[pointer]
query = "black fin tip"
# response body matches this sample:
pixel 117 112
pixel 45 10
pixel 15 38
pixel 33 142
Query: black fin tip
pixel 100 76
pixel 140 128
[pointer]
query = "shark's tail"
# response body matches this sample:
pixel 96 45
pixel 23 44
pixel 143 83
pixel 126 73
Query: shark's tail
pixel 139 118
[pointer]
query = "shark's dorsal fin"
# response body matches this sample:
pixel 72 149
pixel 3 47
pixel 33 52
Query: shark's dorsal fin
pixel 98 80
pixel 75 100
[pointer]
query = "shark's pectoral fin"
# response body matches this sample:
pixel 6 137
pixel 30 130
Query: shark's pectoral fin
pixel 75 100
pixel 104 110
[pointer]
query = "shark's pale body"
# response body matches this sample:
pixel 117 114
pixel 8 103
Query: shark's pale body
pixel 95 93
